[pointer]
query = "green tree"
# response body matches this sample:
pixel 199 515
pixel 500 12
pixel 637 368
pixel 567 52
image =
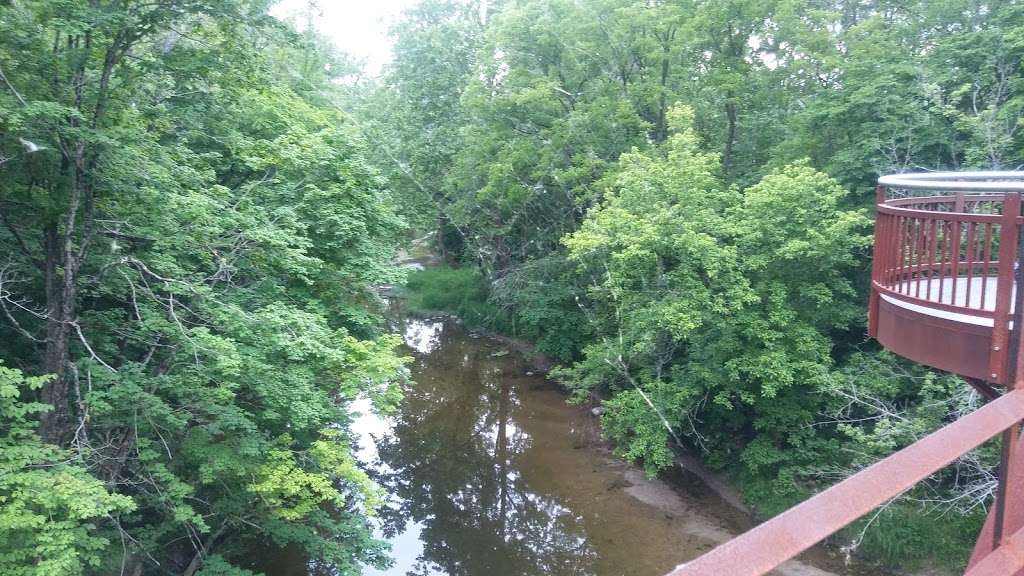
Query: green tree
pixel 193 238
pixel 415 116
pixel 715 305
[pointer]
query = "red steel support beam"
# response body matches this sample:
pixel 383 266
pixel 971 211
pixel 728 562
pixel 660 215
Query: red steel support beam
pixel 1006 504
pixel 1006 519
pixel 1013 517
pixel 983 388
pixel 1007 560
pixel 763 548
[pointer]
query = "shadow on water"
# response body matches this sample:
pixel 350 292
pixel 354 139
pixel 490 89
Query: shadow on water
pixel 490 473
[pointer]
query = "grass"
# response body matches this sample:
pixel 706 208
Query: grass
pixel 907 536
pixel 459 291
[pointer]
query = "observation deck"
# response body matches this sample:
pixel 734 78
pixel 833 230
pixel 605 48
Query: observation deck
pixel 942 284
pixel 948 246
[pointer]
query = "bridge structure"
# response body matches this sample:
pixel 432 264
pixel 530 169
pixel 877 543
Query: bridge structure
pixel 948 254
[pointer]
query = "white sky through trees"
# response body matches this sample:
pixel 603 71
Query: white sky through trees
pixel 357 27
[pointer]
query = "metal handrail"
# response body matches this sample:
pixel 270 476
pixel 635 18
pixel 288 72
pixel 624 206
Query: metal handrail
pixel 988 181
pixel 936 244
pixel 770 544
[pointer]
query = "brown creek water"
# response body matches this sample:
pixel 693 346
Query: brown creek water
pixel 490 473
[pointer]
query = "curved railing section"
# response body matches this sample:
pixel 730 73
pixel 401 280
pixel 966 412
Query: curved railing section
pixel 946 244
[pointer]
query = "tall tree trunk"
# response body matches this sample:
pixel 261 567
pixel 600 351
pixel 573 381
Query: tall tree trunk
pixel 661 127
pixel 63 261
pixel 661 131
pixel 55 362
pixel 64 257
pixel 730 137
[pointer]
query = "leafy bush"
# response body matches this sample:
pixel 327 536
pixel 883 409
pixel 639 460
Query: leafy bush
pixel 53 513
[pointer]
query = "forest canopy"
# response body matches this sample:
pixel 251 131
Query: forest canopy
pixel 672 198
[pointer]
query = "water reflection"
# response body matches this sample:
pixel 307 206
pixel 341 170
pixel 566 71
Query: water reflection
pixel 489 473
pixel 459 504
pixel 423 336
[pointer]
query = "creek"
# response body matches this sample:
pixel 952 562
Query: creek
pixel 489 472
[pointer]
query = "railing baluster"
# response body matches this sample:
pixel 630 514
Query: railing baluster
pixel 900 230
pixel 922 255
pixel 952 256
pixel 899 280
pixel 958 207
pixel 918 248
pixel 986 259
pixel 969 253
pixel 891 229
pixel 932 246
pixel 912 256
pixel 887 256
pixel 945 259
pixel 901 263
pixel 941 242
pixel 908 280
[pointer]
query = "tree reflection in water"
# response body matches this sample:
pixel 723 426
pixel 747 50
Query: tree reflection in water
pixel 449 463
pixel 489 473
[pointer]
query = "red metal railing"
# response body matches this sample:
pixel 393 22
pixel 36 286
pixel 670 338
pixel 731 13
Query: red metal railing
pixel 770 544
pixel 953 253
pixel 946 263
pixel 942 251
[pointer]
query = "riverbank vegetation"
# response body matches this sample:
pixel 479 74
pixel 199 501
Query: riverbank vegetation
pixel 190 232
pixel 674 199
pixel 459 291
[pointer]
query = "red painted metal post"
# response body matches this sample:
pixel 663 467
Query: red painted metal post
pixel 1007 515
pixel 876 265
pixel 999 352
pixel 1007 560
pixel 1007 500
pixel 1013 517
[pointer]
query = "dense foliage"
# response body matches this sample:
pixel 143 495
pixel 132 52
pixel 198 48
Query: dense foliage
pixel 669 196
pixel 190 233
pixel 673 198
